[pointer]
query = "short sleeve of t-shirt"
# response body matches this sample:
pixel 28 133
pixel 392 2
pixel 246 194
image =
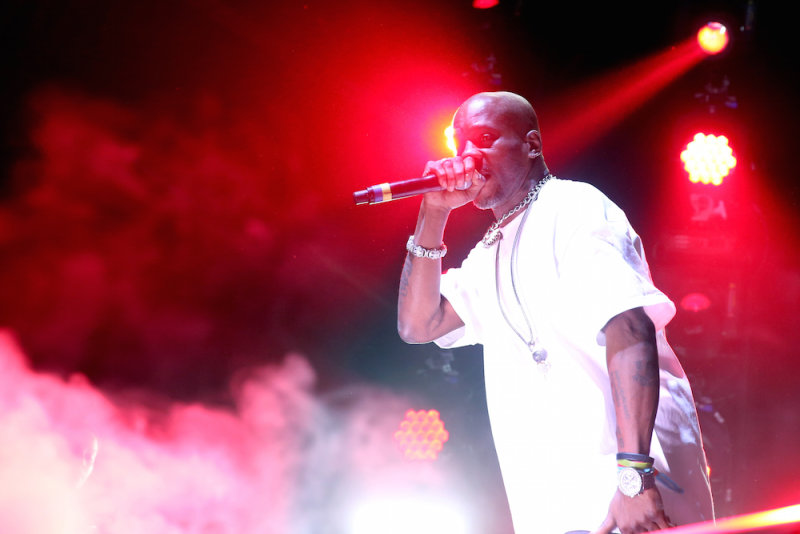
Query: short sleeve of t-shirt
pixel 460 287
pixel 602 267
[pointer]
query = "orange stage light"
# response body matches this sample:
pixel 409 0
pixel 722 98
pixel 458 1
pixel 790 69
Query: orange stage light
pixel 421 435
pixel 708 159
pixel 449 135
pixel 713 38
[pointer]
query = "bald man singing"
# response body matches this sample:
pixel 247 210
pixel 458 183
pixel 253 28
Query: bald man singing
pixel 591 413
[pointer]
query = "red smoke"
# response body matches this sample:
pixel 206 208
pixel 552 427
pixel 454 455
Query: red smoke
pixel 279 461
pixel 138 240
pixel 170 248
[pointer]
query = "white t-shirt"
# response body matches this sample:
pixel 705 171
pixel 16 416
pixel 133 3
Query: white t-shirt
pixel 579 263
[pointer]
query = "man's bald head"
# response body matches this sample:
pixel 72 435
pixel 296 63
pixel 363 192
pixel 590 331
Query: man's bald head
pixel 514 110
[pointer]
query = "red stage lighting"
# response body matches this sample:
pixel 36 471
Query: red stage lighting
pixel 708 159
pixel 695 302
pixel 713 38
pixel 614 96
pixel 484 4
pixel 422 435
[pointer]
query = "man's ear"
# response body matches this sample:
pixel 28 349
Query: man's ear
pixel 534 140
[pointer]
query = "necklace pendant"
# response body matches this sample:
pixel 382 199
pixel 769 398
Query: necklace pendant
pixel 539 355
pixel 491 237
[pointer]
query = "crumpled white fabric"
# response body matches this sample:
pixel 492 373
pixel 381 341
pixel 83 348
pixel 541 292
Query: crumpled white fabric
pixel 579 264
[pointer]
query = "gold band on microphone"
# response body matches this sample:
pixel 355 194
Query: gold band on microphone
pixel 386 192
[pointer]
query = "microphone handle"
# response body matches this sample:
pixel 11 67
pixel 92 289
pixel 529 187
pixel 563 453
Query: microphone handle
pixel 392 191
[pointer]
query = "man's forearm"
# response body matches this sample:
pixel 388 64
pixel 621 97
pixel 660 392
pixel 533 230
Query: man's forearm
pixel 419 305
pixel 632 360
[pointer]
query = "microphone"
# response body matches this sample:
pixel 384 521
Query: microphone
pixel 394 190
pixel 405 188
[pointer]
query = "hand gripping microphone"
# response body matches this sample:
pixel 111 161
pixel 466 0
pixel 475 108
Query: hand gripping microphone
pixel 405 188
pixel 394 190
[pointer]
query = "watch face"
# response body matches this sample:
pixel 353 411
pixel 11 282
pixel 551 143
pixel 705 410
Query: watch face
pixel 630 482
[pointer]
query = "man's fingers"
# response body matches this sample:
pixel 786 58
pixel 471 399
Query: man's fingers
pixel 607 526
pixel 435 167
pixel 663 522
pixel 458 171
pixel 469 166
pixel 454 173
pixel 469 172
pixel 450 174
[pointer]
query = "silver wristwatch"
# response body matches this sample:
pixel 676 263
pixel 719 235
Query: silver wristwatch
pixel 632 482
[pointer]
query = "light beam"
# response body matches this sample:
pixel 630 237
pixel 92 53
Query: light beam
pixel 588 112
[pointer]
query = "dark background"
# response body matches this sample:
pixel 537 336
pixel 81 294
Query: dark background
pixel 176 177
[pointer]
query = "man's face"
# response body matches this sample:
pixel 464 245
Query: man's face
pixel 483 130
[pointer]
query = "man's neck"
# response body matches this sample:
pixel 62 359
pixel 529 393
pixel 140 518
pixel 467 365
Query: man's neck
pixel 536 175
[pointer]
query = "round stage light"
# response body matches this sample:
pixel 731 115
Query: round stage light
pixel 421 435
pixel 695 302
pixel 708 159
pixel 713 38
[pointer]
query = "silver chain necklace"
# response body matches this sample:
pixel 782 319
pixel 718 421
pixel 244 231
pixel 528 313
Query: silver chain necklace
pixel 493 234
pixel 539 354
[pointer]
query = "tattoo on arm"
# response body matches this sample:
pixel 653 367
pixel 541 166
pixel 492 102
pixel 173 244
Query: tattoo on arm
pixel 618 395
pixel 407 266
pixel 646 372
pixel 621 401
pixel 634 389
